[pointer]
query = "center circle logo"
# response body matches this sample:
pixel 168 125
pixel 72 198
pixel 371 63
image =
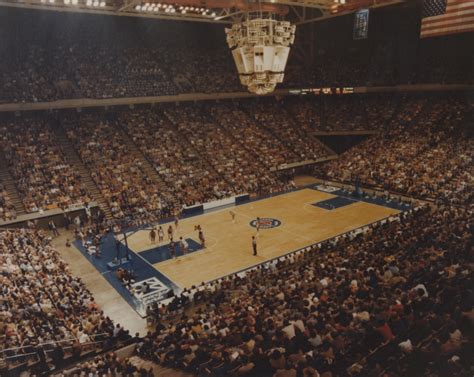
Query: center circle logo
pixel 265 223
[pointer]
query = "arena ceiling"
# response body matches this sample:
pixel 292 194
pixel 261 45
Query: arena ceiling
pixel 211 11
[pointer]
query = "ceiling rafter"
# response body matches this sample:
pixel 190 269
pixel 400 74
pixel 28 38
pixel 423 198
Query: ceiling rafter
pixel 217 11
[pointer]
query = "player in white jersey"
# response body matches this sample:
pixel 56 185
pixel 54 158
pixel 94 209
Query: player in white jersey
pixel 232 214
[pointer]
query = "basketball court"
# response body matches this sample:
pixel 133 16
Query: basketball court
pixel 290 222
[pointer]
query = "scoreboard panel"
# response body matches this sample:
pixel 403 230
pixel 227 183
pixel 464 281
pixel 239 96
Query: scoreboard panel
pixel 322 91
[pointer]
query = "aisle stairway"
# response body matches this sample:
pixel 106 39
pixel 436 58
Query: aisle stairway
pixel 7 180
pixel 75 161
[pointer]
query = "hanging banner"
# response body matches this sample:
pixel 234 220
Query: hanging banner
pixel 361 24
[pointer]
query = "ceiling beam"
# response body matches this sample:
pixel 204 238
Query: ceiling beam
pixel 111 11
pixel 227 14
pixel 301 9
pixel 128 5
pixel 318 4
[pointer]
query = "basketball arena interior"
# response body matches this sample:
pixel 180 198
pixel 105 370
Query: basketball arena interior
pixel 262 188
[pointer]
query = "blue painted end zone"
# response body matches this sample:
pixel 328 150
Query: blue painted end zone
pixel 162 253
pixel 343 194
pixel 334 203
pixel 136 264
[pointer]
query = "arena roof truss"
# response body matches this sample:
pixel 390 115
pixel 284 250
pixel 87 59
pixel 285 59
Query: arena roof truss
pixel 211 11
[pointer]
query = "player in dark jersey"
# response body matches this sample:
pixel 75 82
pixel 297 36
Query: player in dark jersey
pixel 201 237
pixel 170 233
pixel 172 247
pixel 152 235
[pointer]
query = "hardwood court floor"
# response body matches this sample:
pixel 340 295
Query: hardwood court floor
pixel 229 247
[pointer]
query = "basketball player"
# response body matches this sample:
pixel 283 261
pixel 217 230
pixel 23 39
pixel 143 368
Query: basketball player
pixel 161 234
pixel 201 238
pixel 254 246
pixel 176 222
pixel 152 235
pixel 257 224
pixel 172 247
pixel 170 233
pixel 232 214
pixel 183 245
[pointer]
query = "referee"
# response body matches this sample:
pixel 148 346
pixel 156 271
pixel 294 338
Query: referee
pixel 254 245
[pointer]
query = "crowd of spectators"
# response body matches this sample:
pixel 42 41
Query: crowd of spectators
pixel 210 71
pixel 359 113
pixel 42 175
pixel 342 112
pixel 92 71
pixel 103 59
pixel 7 208
pixel 105 72
pixel 44 309
pixel 189 178
pixel 208 151
pixel 395 297
pixel 108 364
pixel 453 66
pixel 196 159
pixel 426 151
pixel 111 72
pixel 200 153
pixel 236 169
pixel 267 150
pixel 120 176
pixel 383 59
pixel 274 117
pixel 353 306
pixel 50 58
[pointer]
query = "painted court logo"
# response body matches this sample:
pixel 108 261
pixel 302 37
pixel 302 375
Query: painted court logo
pixel 266 223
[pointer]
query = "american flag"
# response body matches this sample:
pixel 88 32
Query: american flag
pixel 442 17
